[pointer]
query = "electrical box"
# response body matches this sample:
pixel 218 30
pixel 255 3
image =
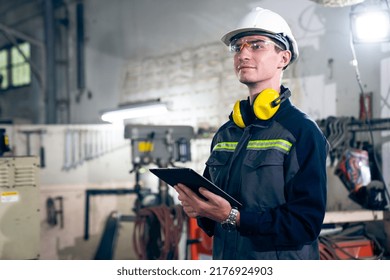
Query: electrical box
pixel 19 208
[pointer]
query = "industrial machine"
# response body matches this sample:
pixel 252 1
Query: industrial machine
pixel 19 208
pixel 158 220
pixel 161 146
pixel 158 223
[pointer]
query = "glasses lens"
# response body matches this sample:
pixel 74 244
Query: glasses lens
pixel 234 47
pixel 237 45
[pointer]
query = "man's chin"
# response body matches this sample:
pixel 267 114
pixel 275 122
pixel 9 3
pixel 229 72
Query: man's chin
pixel 246 82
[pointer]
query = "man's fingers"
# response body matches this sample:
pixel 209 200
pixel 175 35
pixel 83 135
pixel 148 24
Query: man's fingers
pixel 185 189
pixel 208 194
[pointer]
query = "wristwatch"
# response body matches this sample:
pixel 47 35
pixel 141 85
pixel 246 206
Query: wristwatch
pixel 231 222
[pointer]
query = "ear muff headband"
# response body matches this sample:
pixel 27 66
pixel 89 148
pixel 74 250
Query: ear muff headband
pixel 266 104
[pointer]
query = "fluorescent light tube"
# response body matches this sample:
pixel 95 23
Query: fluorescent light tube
pixel 134 111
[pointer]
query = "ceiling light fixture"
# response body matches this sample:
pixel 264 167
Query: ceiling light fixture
pixel 370 24
pixel 134 110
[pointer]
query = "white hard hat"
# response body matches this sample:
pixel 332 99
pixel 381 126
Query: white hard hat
pixel 265 22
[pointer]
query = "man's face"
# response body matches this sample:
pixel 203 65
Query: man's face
pixel 256 59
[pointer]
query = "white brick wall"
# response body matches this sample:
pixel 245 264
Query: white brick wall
pixel 198 83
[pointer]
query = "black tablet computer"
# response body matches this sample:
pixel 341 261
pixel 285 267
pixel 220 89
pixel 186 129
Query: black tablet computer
pixel 193 180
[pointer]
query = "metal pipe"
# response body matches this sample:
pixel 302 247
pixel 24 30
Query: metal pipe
pixel 80 46
pixel 51 112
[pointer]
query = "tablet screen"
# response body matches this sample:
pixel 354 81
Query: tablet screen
pixel 193 180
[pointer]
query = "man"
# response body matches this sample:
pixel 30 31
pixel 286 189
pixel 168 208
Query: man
pixel 269 156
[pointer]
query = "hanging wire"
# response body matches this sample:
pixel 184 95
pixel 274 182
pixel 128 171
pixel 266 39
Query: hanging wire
pixel 368 120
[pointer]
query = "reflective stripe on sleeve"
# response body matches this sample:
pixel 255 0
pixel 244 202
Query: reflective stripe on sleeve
pixel 225 146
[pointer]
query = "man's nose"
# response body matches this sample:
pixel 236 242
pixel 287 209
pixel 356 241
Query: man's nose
pixel 244 53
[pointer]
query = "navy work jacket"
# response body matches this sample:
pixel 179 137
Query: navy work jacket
pixel 277 170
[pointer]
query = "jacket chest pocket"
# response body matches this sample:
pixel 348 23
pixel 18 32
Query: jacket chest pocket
pixel 264 177
pixel 256 159
pixel 218 164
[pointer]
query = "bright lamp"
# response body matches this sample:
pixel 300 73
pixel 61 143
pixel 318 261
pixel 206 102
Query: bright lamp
pixel 370 26
pixel 135 110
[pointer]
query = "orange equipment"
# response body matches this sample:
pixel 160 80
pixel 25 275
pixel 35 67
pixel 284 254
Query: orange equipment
pixel 201 244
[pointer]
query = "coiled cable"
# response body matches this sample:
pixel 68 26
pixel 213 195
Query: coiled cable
pixel 157 232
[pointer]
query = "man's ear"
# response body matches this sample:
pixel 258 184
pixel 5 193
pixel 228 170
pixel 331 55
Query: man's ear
pixel 285 59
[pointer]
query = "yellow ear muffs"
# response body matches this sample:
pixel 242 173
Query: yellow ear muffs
pixel 237 116
pixel 266 104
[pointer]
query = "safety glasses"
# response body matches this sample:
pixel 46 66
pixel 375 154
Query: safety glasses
pixel 237 45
